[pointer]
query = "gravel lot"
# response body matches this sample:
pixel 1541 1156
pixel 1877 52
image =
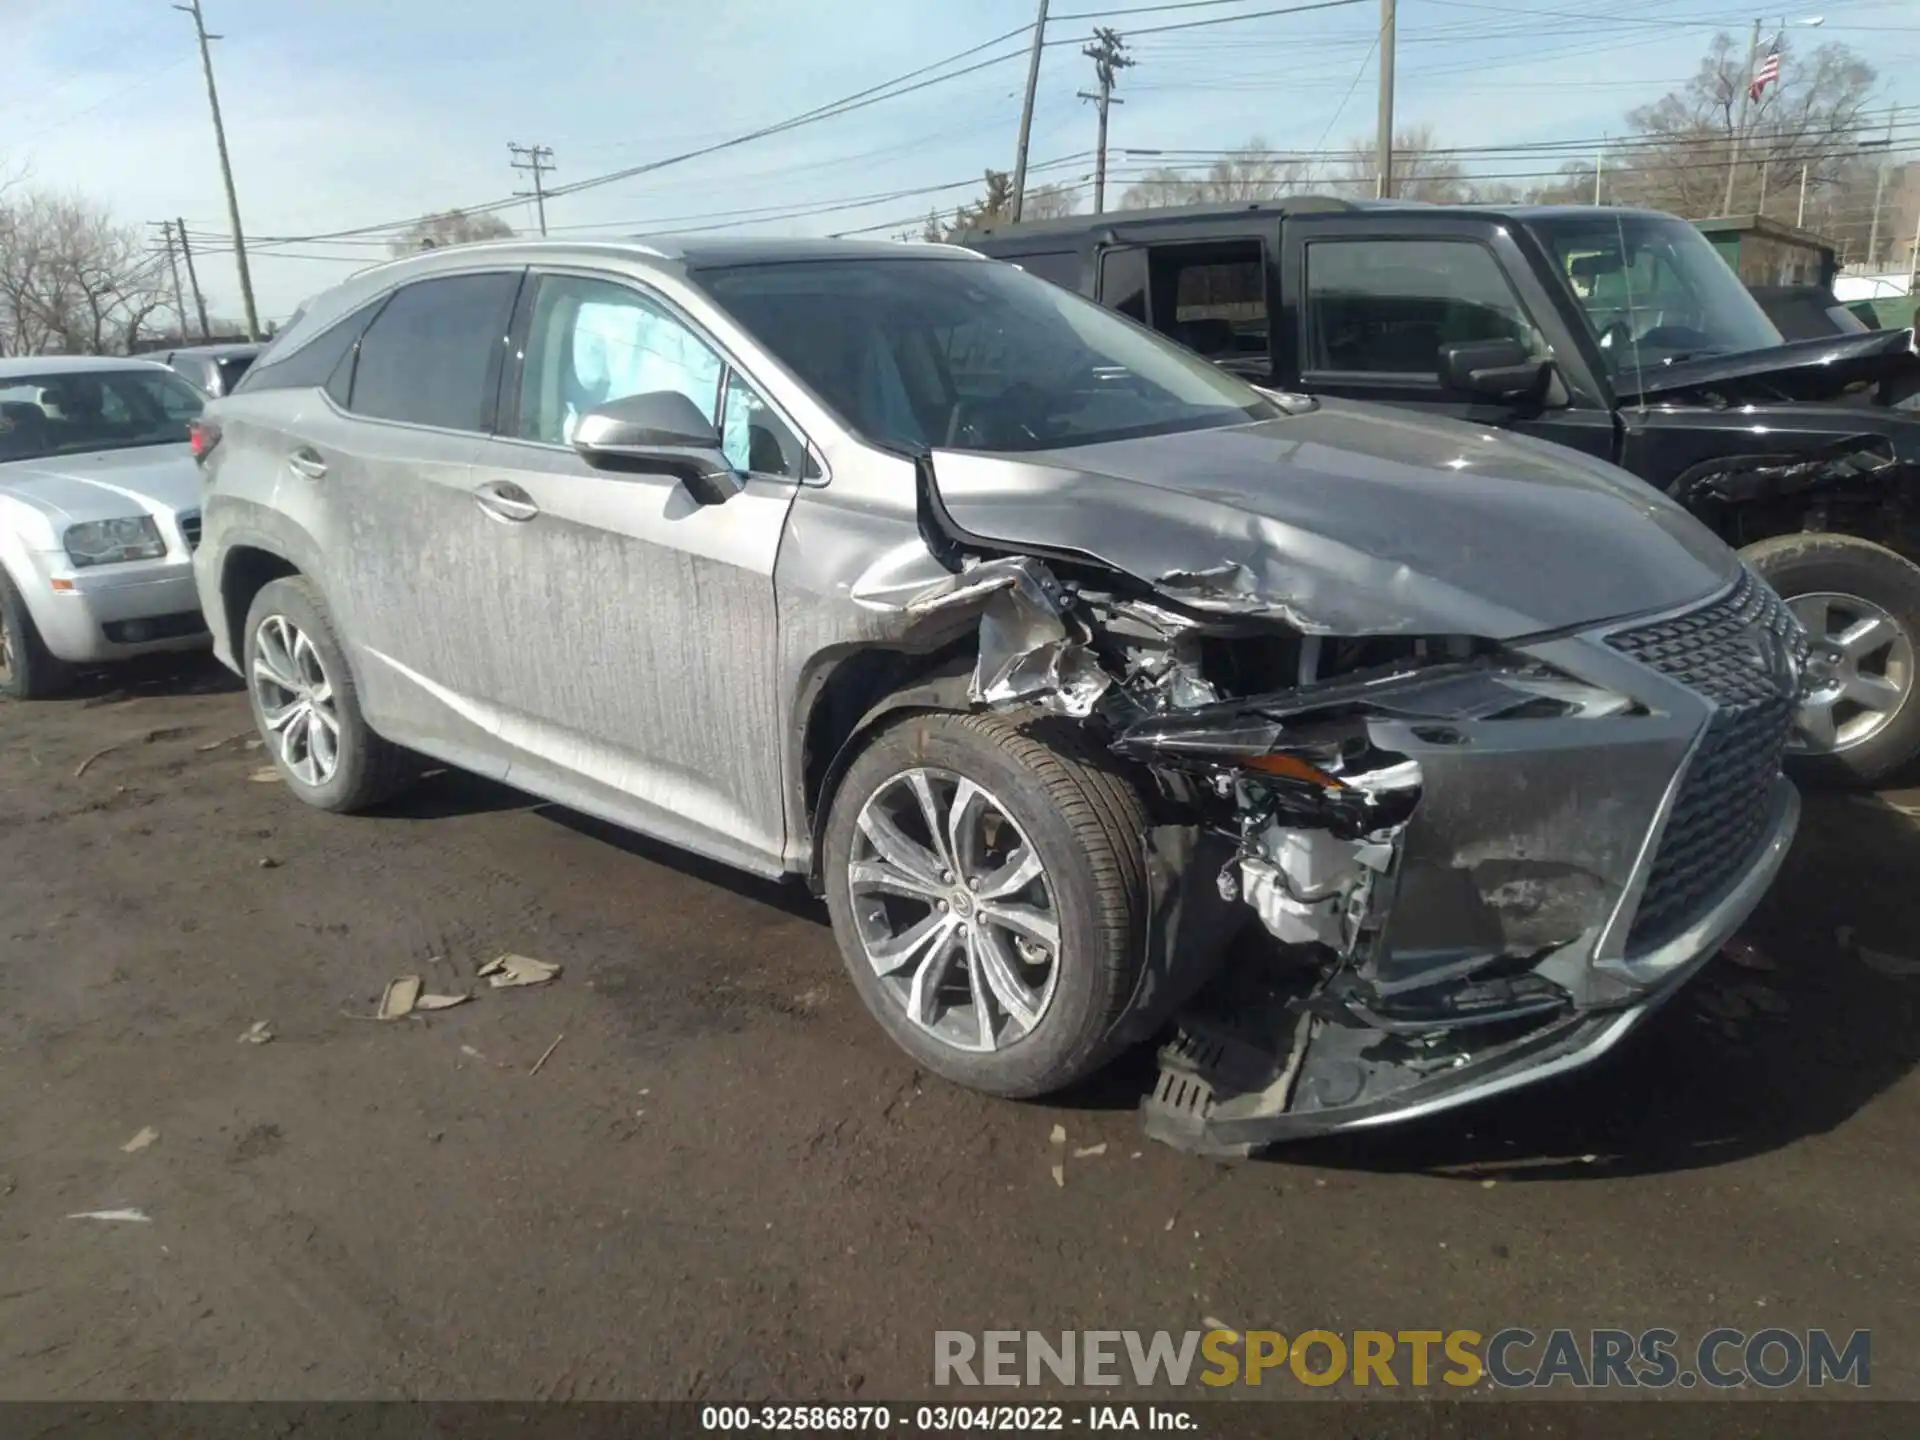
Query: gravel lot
pixel 724 1183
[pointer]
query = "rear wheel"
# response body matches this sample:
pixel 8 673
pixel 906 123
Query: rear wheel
pixel 1860 605
pixel 28 670
pixel 307 707
pixel 987 891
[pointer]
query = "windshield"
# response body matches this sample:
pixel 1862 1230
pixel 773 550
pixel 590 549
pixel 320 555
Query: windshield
pixel 1654 289
pixel 71 411
pixel 971 355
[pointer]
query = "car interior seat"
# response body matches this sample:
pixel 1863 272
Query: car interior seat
pixel 23 429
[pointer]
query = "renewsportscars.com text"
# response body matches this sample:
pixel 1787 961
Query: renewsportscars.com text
pixel 1514 1358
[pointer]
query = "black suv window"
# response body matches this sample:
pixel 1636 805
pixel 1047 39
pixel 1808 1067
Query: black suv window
pixel 1062 267
pixel 1211 298
pixel 429 356
pixel 1385 307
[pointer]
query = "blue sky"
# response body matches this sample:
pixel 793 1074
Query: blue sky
pixel 346 113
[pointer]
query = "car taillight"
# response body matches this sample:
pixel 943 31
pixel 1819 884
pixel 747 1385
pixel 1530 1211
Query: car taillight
pixel 203 435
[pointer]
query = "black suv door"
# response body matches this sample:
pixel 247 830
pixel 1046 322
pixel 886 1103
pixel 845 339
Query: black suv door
pixel 1370 300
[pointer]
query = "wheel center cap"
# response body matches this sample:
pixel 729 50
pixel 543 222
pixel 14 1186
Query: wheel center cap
pixel 962 904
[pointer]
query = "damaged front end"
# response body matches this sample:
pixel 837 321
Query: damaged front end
pixel 1472 863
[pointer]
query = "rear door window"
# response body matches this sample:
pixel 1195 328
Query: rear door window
pixel 1211 298
pixel 429 358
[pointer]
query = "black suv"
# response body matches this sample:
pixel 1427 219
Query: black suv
pixel 1618 332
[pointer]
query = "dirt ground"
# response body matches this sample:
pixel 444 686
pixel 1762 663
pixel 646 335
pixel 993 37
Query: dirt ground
pixel 724 1183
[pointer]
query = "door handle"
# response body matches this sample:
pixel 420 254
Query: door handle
pixel 306 461
pixel 505 500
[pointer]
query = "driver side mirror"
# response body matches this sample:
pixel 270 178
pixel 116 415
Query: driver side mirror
pixel 1496 370
pixel 659 433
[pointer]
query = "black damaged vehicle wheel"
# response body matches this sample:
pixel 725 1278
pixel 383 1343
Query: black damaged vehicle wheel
pixel 988 893
pixel 1860 604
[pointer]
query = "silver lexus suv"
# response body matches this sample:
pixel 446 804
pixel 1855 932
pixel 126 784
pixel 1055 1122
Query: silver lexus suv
pixel 1376 764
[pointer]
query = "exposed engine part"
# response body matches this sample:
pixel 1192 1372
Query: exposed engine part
pixel 1428 915
pixel 1033 648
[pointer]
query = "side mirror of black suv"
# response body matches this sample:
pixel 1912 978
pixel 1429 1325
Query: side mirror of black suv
pixel 1496 369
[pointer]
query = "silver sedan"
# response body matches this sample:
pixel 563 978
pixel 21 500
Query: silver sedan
pixel 99 514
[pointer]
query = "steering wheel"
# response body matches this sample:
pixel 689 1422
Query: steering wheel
pixel 1022 403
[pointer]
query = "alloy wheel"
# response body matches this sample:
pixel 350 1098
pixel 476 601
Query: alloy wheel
pixel 954 910
pixel 6 649
pixel 1861 668
pixel 295 696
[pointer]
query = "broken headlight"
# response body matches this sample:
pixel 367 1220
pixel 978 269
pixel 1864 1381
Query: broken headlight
pixel 107 542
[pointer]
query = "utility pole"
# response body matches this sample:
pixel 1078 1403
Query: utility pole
pixel 199 300
pixel 1383 178
pixel 1109 55
pixel 1739 128
pixel 538 159
pixel 226 174
pixel 1800 216
pixel 173 264
pixel 1026 112
pixel 1879 192
pixel 1599 167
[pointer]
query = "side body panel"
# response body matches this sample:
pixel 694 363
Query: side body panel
pixel 632 634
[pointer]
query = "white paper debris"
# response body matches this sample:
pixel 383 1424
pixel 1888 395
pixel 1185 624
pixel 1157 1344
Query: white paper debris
pixel 267 775
pixel 1057 1143
pixel 1086 1150
pixel 131 1217
pixel 141 1141
pixel 510 970
pixel 257 1034
pixel 399 998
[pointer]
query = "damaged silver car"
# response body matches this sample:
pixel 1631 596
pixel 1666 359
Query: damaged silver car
pixel 1384 764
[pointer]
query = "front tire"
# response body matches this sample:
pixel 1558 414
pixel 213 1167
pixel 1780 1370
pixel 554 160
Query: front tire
pixel 988 893
pixel 1860 604
pixel 28 670
pixel 307 707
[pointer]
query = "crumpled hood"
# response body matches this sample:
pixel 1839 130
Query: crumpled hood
pixel 1353 519
pixel 105 484
pixel 1819 369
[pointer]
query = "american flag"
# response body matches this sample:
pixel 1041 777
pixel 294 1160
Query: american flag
pixel 1768 73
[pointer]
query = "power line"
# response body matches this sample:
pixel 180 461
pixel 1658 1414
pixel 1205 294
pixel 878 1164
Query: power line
pixel 858 100
pixel 1135 32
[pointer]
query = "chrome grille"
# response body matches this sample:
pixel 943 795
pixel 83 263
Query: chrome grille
pixel 1725 652
pixel 190 529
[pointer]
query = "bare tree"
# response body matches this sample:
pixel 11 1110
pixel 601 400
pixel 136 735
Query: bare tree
pixel 1249 173
pixel 1420 170
pixel 72 281
pixel 451 227
pixel 995 207
pixel 1812 117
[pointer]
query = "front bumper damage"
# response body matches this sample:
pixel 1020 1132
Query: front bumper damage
pixel 1466 867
